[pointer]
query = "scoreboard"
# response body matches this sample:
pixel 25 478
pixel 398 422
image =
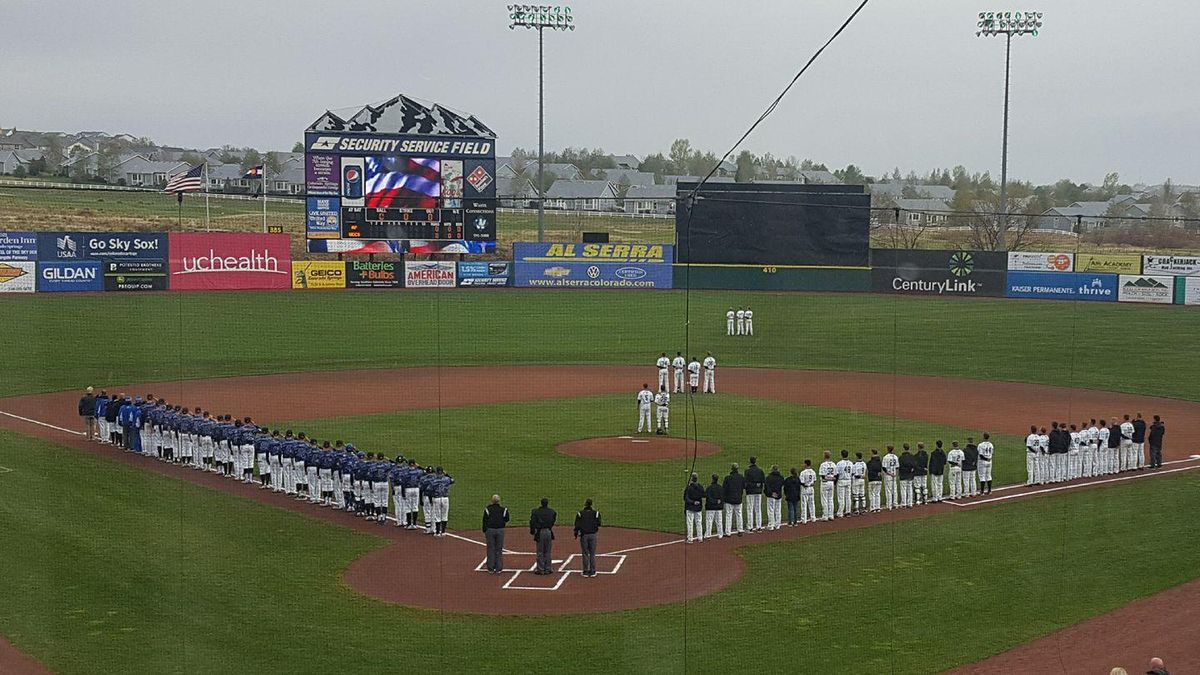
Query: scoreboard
pixel 401 188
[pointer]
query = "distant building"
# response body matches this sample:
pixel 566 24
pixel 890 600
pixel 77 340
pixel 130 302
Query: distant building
pixel 923 212
pixel 650 199
pixel 898 189
pixel 516 192
pixel 581 195
pixel 625 161
pixel 627 176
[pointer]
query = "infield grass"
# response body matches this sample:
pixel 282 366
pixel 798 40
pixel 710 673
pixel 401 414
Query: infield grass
pixel 108 568
pixel 60 342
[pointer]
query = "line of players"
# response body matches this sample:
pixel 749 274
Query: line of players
pixel 1067 451
pixel 333 474
pixel 740 322
pixel 847 488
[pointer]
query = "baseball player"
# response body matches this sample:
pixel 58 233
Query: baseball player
pixel 426 486
pixel 412 493
pixel 755 481
pixel 1074 463
pixel 1139 442
pixel 663 402
pixel 970 468
pixel 986 452
pixel 1032 443
pixel 713 506
pixel 891 476
pixel 773 489
pixel 954 459
pixel 829 473
pixel 729 321
pixel 1087 463
pixel 679 364
pixel 100 413
pixel 844 476
pixel 920 475
pixel 645 399
pixel 808 497
pixel 1127 460
pixel 749 322
pixel 664 371
pixel 741 321
pixel 937 469
pixel 441 501
pixel 693 508
pixel 875 480
pixel 908 468
pixel 693 368
pixel 710 381
pixel 1043 459
pixel 858 485
pixel 1104 452
pixel 731 497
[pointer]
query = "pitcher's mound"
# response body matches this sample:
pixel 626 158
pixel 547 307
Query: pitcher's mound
pixel 638 448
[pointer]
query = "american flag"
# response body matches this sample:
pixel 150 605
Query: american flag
pixel 254 172
pixel 410 182
pixel 187 181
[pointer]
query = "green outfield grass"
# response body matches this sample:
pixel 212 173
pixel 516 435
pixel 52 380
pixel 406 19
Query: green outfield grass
pixel 142 573
pixel 495 448
pixel 54 340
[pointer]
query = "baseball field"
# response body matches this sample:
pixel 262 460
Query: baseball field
pixel 114 562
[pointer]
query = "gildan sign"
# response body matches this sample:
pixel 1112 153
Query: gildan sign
pixel 204 261
pixel 1141 288
pixel 83 275
pixel 1036 261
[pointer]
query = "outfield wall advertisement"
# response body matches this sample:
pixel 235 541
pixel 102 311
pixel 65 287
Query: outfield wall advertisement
pixel 483 273
pixel 18 276
pixel 1062 286
pixel 1174 265
pixel 597 253
pixel 1036 261
pixel 18 246
pixel 429 274
pixel 1108 262
pixel 953 273
pixel 370 274
pixel 572 265
pixel 1143 288
pixel 1187 291
pixel 318 274
pixel 227 261
pixel 56 276
pixel 135 275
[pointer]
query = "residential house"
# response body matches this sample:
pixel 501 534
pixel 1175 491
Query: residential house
pixel 923 212
pixel 22 140
pixel 726 168
pixel 227 178
pixel 625 161
pixel 627 176
pixel 137 171
pixel 289 181
pixel 672 179
pixel 582 195
pixel 516 193
pixel 1088 215
pixel 897 190
pixel 508 167
pixel 650 199
pixel 11 159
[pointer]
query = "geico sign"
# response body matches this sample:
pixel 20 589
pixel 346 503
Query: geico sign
pixel 325 274
pixel 69 273
pixel 254 261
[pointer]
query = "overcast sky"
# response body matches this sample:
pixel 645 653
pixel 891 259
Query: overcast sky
pixel 1107 86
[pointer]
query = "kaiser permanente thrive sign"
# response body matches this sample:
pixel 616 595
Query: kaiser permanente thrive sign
pixel 597 253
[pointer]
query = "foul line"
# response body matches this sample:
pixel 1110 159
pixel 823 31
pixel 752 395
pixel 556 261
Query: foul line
pixel 643 548
pixel 49 426
pixel 1074 486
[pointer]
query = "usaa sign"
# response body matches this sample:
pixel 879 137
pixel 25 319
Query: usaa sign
pixel 610 253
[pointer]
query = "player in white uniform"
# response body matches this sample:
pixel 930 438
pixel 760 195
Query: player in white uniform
pixel 986 453
pixel 1091 459
pixel 954 460
pixel 664 371
pixel 693 368
pixel 808 498
pixel 1105 455
pixel 891 473
pixel 844 475
pixel 710 376
pixel 741 321
pixel 829 473
pixel 663 403
pixel 749 322
pixel 729 317
pixel 1128 463
pixel 645 398
pixel 1031 456
pixel 678 363
pixel 858 485
pixel 1074 462
pixel 1043 464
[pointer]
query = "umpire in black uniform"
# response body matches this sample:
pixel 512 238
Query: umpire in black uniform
pixel 587 524
pixel 541 526
pixel 495 518
pixel 1157 431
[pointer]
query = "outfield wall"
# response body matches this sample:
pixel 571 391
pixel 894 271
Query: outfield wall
pixel 54 262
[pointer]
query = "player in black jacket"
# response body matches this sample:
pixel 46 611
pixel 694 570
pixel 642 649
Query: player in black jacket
pixel 714 503
pixel 754 491
pixel 920 495
pixel 937 468
pixel 733 487
pixel 791 494
pixel 773 488
pixel 693 509
pixel 908 467
pixel 970 466
pixel 874 481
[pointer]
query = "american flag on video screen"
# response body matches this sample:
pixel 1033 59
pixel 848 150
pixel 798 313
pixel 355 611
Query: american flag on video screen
pixel 409 182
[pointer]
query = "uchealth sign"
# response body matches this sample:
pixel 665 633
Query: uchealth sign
pixel 229 261
pixel 430 274
pixel 1037 261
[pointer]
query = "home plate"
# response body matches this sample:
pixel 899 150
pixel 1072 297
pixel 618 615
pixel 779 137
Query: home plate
pixel 625 437
pixel 639 440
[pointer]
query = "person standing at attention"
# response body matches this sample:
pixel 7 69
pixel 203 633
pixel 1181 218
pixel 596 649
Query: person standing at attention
pixel 678 364
pixel 1157 430
pixel 87 410
pixel 645 399
pixel 791 493
pixel 587 525
pixel 710 374
pixel 495 519
pixel 541 526
pixel 755 478
pixel 693 508
pixel 937 468
pixel 713 506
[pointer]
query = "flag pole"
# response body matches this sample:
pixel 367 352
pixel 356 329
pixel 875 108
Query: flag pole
pixel 264 193
pixel 207 213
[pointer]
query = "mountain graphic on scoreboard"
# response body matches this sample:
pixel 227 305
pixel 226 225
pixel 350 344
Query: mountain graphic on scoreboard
pixel 1144 282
